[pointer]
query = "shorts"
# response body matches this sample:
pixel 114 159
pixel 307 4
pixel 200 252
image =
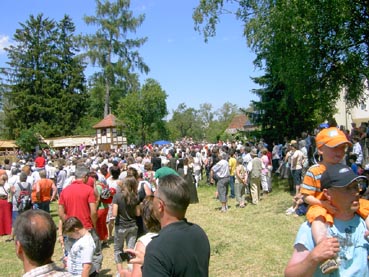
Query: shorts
pixel 316 211
pixel 222 187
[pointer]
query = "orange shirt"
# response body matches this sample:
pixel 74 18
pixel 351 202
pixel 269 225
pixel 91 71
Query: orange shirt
pixel 311 183
pixel 45 190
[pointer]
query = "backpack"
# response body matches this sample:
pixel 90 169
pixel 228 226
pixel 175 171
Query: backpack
pixel 107 194
pixel 24 201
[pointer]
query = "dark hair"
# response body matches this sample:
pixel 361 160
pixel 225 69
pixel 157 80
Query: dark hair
pixel 174 192
pixel 104 169
pixel 132 172
pixel 152 224
pixel 148 166
pixel 70 224
pixel 94 175
pixel 129 190
pixel 36 232
pixel 115 172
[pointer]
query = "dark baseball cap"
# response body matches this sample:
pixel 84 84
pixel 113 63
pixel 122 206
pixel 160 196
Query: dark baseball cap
pixel 338 176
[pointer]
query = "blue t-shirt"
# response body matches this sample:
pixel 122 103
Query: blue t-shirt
pixel 353 246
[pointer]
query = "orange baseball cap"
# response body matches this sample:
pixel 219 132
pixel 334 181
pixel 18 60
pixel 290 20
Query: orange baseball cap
pixel 331 137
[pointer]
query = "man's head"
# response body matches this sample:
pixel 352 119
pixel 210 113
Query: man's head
pixel 35 236
pixel 172 196
pixel 81 171
pixel 341 186
pixel 332 144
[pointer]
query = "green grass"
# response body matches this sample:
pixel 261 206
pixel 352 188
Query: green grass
pixel 254 241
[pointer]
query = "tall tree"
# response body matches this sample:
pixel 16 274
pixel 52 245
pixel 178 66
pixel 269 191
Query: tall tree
pixel 143 113
pixel 111 48
pixel 310 51
pixel 45 85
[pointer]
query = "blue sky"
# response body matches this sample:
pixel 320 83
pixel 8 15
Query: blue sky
pixel 188 69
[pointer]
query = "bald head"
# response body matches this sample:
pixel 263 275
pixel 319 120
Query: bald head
pixel 35 230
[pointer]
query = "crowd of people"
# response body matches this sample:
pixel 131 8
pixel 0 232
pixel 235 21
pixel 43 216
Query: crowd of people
pixel 137 199
pixel 109 198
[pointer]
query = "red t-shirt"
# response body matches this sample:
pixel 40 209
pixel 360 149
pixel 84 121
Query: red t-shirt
pixel 76 199
pixel 40 162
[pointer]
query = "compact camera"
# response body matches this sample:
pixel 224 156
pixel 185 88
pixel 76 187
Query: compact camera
pixel 125 256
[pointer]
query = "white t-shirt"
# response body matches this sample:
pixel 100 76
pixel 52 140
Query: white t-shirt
pixel 81 253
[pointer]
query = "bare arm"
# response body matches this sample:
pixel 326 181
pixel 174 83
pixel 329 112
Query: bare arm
pixel 93 213
pixel 311 200
pixel 54 190
pixel 305 262
pixel 115 210
pixel 60 234
pixel 61 213
pixel 147 190
pixel 136 270
pixel 86 270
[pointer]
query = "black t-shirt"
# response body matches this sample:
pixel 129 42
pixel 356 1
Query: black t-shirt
pixel 126 213
pixel 180 249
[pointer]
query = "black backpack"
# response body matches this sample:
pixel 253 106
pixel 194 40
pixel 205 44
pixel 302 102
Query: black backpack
pixel 24 201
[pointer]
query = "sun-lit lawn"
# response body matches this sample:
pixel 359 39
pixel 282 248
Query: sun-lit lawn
pixel 254 241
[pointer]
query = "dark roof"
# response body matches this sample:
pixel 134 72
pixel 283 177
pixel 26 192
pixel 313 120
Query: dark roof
pixel 238 122
pixel 109 121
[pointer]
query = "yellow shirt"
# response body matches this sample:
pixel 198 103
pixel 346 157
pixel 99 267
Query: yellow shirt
pixel 232 162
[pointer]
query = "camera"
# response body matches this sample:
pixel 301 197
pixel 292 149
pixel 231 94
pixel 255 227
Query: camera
pixel 125 256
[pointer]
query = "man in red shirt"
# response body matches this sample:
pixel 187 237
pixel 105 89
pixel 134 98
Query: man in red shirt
pixel 78 199
pixel 40 161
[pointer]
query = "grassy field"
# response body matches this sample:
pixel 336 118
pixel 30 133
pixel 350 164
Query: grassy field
pixel 254 241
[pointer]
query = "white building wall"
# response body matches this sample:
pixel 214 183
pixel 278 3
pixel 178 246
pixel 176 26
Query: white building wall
pixel 357 114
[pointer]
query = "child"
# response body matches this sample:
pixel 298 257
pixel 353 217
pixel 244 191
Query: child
pixel 353 165
pixel 299 206
pixel 332 144
pixel 79 261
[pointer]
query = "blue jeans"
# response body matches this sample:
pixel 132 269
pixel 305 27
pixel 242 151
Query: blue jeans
pixel 231 184
pixel 296 175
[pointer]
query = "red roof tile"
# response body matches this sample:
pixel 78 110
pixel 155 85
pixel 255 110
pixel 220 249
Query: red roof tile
pixel 108 121
pixel 238 122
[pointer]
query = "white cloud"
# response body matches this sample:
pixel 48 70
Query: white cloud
pixel 4 42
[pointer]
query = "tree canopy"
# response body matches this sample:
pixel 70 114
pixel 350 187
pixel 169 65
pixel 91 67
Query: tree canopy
pixel 143 112
pixel 309 51
pixel 111 48
pixel 44 87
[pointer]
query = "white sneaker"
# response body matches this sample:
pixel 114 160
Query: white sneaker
pixel 289 211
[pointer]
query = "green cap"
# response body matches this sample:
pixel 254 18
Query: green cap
pixel 164 171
